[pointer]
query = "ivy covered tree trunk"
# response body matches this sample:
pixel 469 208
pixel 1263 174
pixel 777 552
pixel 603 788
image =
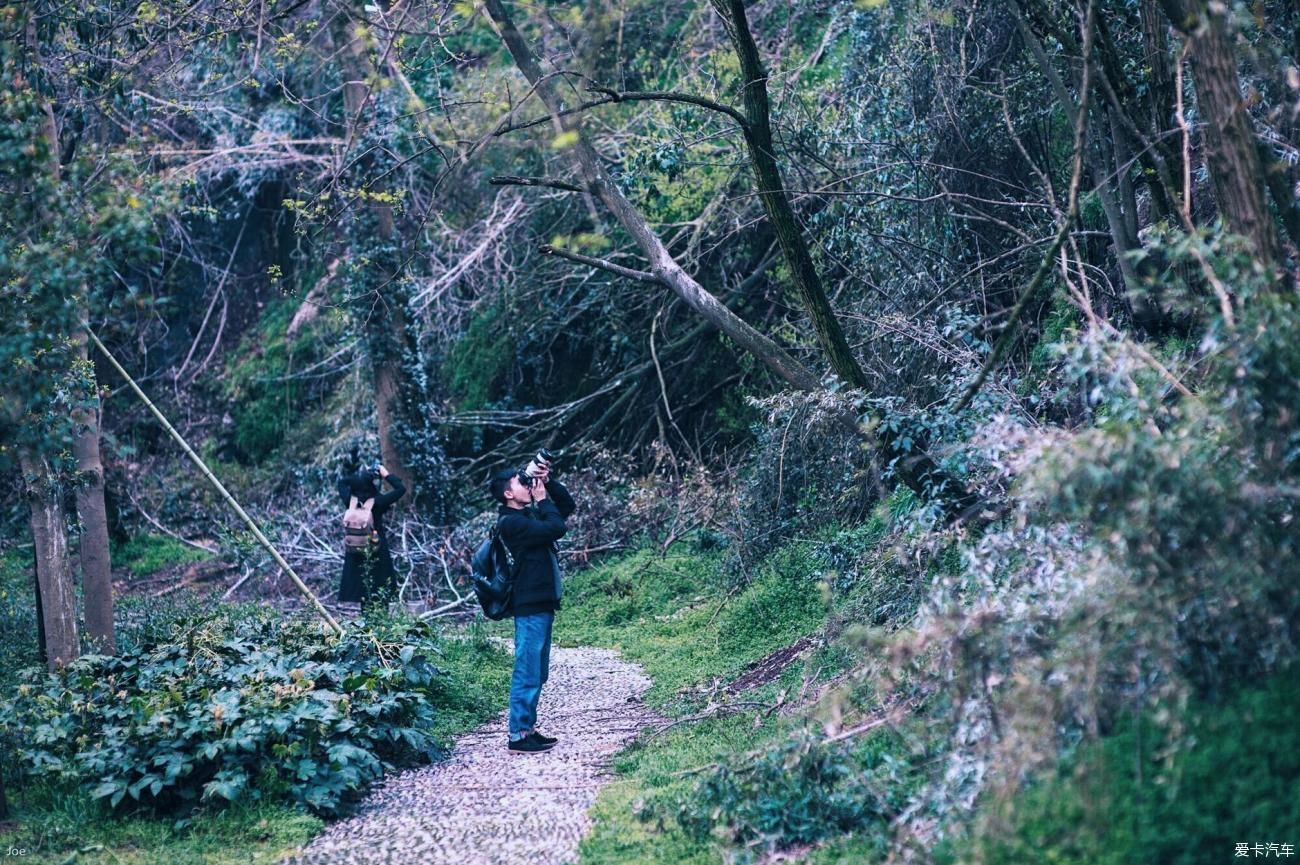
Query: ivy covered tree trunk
pixel 384 324
pixel 96 568
pixel 771 191
pixel 1235 167
pixel 53 571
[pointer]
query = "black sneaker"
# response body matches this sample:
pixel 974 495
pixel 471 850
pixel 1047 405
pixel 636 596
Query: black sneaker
pixel 545 740
pixel 530 745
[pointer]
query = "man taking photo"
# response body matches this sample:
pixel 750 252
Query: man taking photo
pixel 530 521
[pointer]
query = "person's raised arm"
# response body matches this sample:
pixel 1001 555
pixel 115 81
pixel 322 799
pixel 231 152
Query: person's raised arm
pixel 398 490
pixel 555 491
pixel 545 526
pixel 564 502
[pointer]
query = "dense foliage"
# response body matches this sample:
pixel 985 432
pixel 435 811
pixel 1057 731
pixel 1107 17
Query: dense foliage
pixel 229 708
pixel 1040 510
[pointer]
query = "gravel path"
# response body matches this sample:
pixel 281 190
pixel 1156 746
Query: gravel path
pixel 484 805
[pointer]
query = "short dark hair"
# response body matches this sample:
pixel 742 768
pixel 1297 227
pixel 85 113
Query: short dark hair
pixel 499 484
pixel 363 487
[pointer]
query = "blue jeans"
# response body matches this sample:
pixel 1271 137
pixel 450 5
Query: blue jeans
pixel 532 667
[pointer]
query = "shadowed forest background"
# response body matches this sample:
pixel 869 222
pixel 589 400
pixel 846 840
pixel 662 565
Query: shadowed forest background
pixel 927 374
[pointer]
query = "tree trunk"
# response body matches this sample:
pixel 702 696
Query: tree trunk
pixel 40 607
pixel 1235 167
pixel 385 327
pixel 771 191
pixel 53 573
pixel 96 568
pixel 662 264
pixel 1160 99
pixel 315 298
pixel 49 533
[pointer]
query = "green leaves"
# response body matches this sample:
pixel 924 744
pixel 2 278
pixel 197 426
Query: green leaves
pixel 800 792
pixel 200 717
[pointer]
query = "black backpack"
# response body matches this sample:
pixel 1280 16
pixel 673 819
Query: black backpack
pixel 494 570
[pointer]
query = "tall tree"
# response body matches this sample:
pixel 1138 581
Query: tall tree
pixel 772 192
pixel 664 269
pixel 76 209
pixel 96 566
pixel 53 570
pixel 374 238
pixel 1236 170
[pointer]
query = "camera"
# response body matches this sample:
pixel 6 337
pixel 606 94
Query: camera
pixel 528 474
pixel 373 470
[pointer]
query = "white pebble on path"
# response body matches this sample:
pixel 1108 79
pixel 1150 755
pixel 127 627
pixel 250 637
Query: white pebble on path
pixel 485 805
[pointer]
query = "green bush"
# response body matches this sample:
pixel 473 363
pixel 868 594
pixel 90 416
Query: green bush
pixel 233 706
pixel 1120 801
pixel 811 467
pixel 803 791
pixel 18 647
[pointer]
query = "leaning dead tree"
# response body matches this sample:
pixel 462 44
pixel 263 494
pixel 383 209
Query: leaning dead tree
pixel 664 269
pixel 916 468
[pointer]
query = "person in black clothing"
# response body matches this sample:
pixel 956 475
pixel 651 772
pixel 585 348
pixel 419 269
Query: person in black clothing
pixel 368 573
pixel 530 521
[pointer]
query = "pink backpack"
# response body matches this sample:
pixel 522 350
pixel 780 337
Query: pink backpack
pixel 358 524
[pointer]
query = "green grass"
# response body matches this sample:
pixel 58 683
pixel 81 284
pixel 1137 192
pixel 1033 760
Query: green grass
pixel 673 616
pixel 670 615
pixel 650 779
pixel 58 825
pixel 476 686
pixel 143 555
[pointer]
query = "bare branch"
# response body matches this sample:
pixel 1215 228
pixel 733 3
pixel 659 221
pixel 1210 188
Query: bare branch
pixel 1080 125
pixel 612 96
pixel 514 180
pixel 671 96
pixel 639 275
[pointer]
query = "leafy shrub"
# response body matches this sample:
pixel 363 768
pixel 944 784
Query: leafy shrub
pixel 803 791
pixel 18 646
pixel 1123 800
pixel 255 706
pixel 811 467
pixel 1152 560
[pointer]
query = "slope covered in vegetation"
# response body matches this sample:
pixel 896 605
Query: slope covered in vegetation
pixel 926 372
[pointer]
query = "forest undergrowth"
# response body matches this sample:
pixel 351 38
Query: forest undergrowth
pixel 927 372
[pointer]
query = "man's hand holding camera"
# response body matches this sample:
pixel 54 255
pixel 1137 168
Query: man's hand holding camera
pixel 537 486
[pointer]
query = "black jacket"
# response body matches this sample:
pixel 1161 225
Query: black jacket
pixel 369 571
pixel 531 533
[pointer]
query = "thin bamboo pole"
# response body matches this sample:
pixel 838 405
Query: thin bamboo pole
pixel 225 494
